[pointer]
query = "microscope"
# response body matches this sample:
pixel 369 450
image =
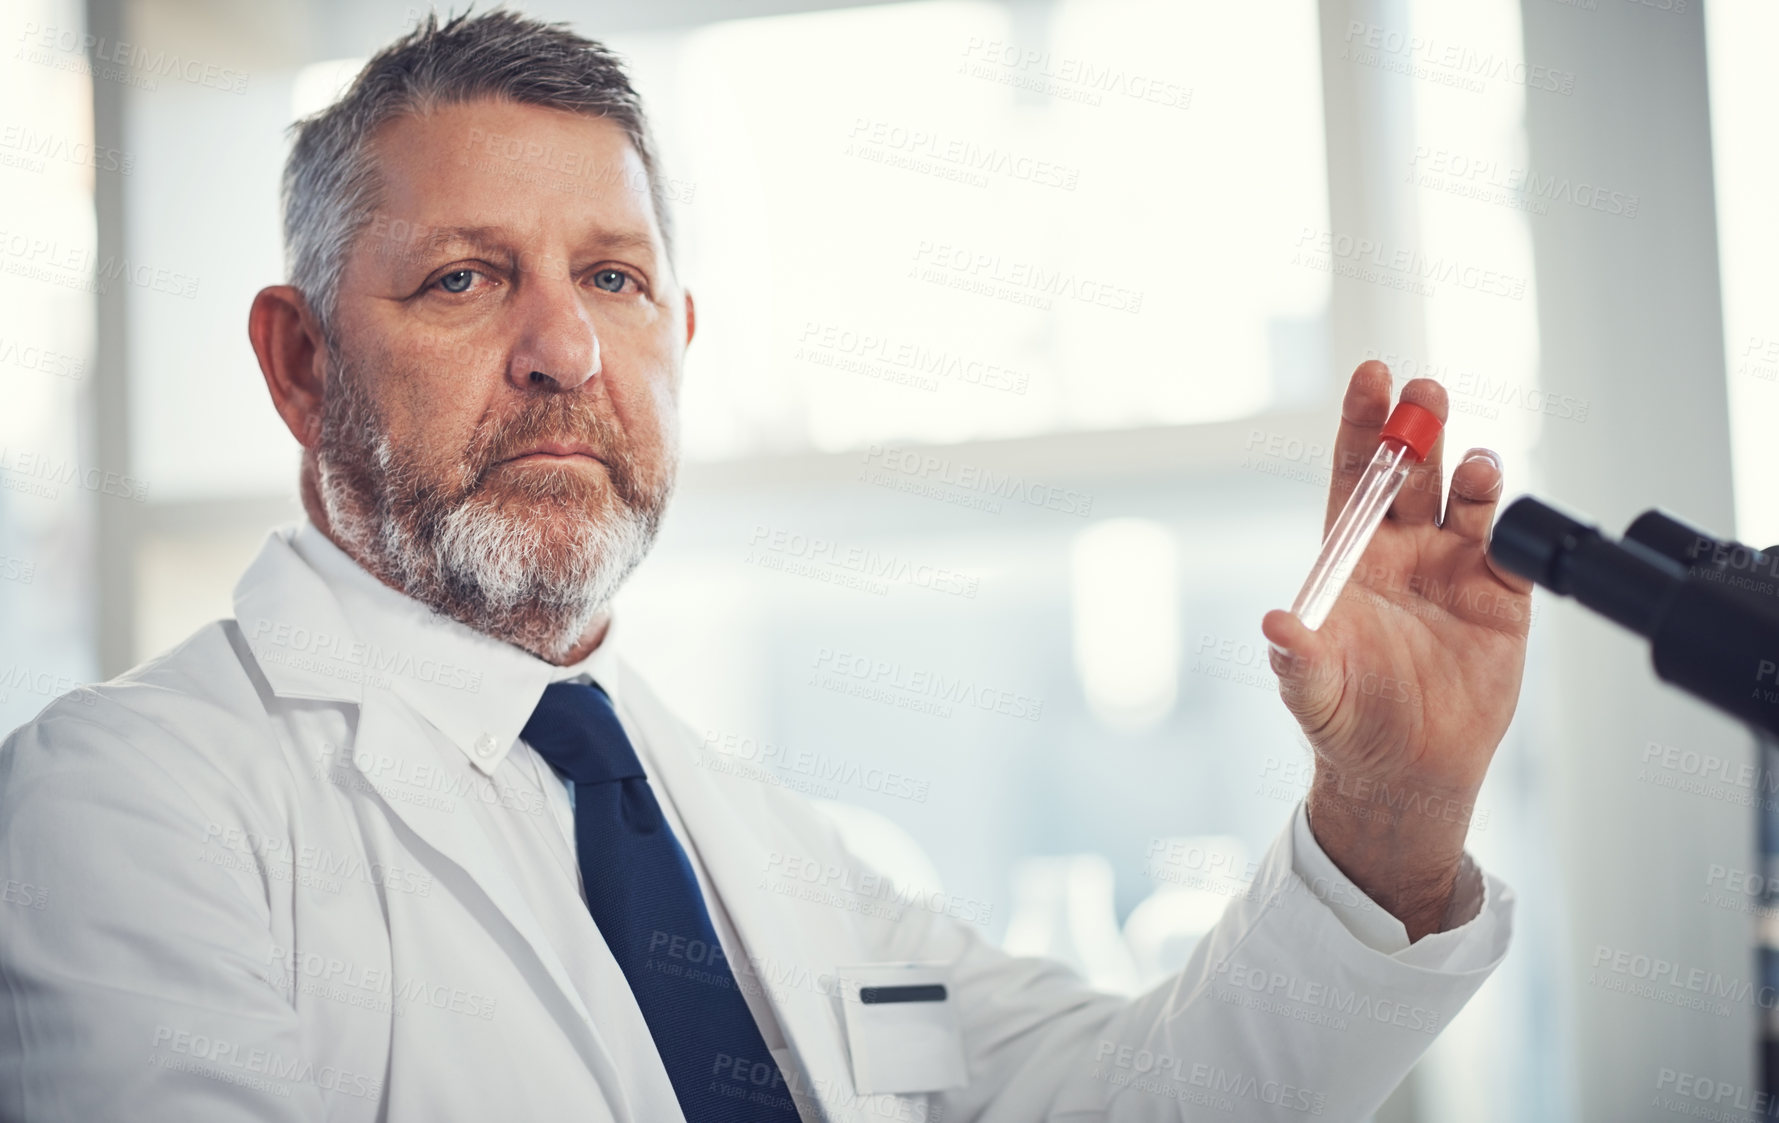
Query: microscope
pixel 1709 607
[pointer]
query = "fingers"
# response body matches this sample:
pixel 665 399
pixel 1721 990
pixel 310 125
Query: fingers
pixel 1362 414
pixel 1418 501
pixel 1476 489
pixel 1302 658
pixel 1477 485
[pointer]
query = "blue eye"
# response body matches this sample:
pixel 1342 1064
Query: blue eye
pixel 457 280
pixel 611 280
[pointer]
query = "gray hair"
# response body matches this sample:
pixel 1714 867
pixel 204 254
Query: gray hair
pixel 331 189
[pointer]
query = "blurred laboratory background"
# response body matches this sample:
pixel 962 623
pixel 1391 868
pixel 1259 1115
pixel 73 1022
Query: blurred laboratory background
pixel 1022 326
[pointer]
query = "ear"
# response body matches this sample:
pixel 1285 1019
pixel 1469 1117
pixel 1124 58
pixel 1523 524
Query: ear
pixel 691 317
pixel 293 358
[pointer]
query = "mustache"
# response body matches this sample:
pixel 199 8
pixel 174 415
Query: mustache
pixel 540 422
pixel 567 419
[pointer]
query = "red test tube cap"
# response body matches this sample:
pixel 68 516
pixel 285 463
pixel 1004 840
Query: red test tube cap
pixel 1413 425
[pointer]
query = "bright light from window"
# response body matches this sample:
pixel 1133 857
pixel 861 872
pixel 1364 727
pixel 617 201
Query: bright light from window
pixel 951 221
pixel 1744 89
pixel 319 84
pixel 1125 602
pixel 49 162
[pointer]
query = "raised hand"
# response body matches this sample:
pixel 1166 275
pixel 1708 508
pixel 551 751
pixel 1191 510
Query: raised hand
pixel 1407 688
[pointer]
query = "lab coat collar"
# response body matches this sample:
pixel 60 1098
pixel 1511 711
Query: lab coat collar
pixel 322 626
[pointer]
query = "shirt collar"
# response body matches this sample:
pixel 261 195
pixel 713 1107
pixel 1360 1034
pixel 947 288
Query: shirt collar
pixel 477 690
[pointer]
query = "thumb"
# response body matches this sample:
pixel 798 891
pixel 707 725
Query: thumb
pixel 1307 664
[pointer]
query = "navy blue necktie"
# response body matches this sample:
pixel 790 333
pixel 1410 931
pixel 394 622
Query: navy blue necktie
pixel 644 897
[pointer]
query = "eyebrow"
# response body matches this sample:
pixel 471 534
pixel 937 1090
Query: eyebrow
pixel 489 237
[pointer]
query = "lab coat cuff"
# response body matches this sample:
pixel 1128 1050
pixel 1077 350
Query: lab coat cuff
pixel 1465 942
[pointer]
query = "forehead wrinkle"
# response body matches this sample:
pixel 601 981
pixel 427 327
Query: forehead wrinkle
pixel 624 237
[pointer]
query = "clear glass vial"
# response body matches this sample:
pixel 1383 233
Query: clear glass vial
pixel 1406 439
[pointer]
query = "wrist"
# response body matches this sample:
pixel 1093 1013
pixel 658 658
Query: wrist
pixel 1399 840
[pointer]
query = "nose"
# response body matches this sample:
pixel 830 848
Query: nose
pixel 558 343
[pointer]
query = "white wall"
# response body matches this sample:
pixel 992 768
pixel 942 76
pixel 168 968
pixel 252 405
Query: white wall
pixel 1630 317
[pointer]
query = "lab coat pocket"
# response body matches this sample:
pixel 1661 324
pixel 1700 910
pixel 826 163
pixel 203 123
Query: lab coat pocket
pixel 901 1028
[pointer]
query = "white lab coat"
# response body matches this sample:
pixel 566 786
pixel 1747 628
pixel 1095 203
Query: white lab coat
pixel 161 959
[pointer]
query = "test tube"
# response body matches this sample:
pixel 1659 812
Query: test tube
pixel 1405 440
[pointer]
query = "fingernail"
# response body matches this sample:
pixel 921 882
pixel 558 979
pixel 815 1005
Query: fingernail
pixel 1486 456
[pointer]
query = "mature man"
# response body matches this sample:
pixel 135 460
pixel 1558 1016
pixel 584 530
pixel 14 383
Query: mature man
pixel 406 840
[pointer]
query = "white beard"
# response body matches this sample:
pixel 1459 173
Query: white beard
pixel 525 580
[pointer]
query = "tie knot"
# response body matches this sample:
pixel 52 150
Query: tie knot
pixel 576 729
